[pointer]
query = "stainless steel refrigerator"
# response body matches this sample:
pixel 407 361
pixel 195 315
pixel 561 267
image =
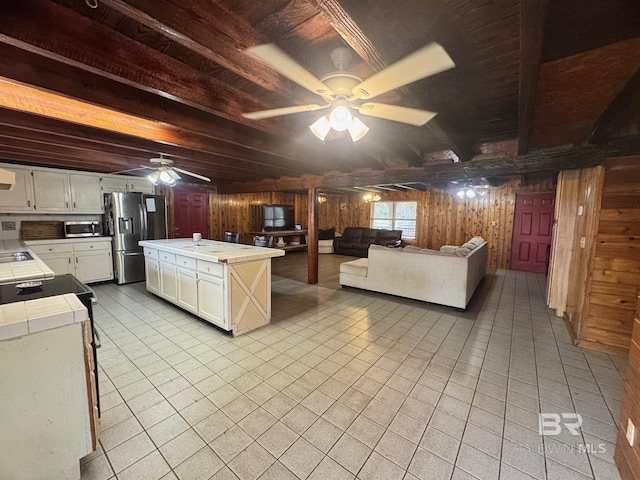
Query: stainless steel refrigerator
pixel 129 218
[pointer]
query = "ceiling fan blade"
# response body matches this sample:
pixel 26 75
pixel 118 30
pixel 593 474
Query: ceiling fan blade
pixel 201 177
pixel 411 116
pixel 422 63
pixel 285 65
pixel 283 111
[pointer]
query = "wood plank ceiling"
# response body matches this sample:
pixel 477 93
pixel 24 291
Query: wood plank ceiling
pixel 107 88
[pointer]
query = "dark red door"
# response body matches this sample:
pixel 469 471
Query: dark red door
pixel 532 228
pixel 190 213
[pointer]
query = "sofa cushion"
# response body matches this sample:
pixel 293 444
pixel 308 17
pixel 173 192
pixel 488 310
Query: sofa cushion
pixel 355 267
pixel 411 248
pixel 328 234
pixel 469 245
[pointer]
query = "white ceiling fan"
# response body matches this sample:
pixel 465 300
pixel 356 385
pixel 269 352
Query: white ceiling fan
pixel 165 172
pixel 343 91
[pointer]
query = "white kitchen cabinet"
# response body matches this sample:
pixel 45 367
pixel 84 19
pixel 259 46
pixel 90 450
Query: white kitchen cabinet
pixel 51 191
pixel 93 261
pixel 20 199
pixel 168 277
pixel 89 260
pixel 152 270
pixel 113 184
pixel 211 300
pixel 85 193
pixel 117 183
pixel 187 289
pixel 142 185
pixel 152 274
pixel 60 263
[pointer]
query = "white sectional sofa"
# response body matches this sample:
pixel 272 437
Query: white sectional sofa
pixel 447 277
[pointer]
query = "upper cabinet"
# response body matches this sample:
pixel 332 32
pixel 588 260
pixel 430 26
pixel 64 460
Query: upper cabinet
pixel 117 183
pixel 114 184
pixel 48 190
pixel 62 192
pixel 20 199
pixel 85 193
pixel 51 191
pixel 141 185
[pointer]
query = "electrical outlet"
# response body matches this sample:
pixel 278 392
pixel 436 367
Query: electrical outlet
pixel 8 225
pixel 631 432
pixel 583 242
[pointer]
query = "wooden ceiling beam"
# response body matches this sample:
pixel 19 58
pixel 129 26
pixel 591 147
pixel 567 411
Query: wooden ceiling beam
pixel 31 69
pixel 353 35
pixel 532 17
pixel 258 160
pixel 208 29
pixel 542 160
pixel 104 155
pixel 80 41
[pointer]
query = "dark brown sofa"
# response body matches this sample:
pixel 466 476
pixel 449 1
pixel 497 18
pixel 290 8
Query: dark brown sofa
pixel 355 241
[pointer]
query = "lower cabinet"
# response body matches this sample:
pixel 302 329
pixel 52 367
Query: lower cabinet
pixel 211 300
pixel 168 281
pixel 152 274
pixel 60 263
pixel 196 286
pixel 90 261
pixel 187 289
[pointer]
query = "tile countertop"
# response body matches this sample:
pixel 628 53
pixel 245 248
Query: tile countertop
pixel 22 318
pixel 26 270
pixel 212 250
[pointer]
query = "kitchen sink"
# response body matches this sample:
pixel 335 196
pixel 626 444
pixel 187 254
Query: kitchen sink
pixel 15 257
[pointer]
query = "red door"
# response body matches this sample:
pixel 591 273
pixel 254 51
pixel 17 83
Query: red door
pixel 190 214
pixel 532 228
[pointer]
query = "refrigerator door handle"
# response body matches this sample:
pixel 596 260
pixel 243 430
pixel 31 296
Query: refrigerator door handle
pixel 131 254
pixel 145 226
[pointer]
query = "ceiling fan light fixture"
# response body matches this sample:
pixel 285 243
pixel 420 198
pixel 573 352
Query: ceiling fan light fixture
pixel 165 177
pixel 154 177
pixel 320 128
pixel 340 118
pixel 357 129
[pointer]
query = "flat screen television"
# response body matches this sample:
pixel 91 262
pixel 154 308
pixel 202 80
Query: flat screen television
pixel 278 217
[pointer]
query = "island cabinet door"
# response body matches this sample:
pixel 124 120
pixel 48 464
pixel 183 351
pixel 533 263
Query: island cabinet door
pixel 211 300
pixel 187 289
pixel 168 281
pixel 152 273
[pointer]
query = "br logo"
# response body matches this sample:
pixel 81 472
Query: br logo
pixel 551 423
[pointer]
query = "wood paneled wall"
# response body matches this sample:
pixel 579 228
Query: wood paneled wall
pixel 604 270
pixel 233 212
pixel 616 263
pixel 443 218
pixel 628 457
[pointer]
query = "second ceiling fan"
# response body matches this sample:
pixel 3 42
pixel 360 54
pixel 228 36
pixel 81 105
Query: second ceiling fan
pixel 343 91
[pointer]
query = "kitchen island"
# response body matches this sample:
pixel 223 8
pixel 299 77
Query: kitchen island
pixel 226 284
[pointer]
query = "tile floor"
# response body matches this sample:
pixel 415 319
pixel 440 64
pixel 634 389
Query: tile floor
pixel 344 384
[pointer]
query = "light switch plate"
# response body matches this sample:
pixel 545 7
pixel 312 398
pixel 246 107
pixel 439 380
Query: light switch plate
pixel 8 225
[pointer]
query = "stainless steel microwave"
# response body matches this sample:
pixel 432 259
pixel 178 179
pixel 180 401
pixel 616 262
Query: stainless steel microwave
pixel 82 229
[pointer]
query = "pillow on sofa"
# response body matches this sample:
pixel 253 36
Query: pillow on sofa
pixel 477 241
pixel 328 234
pixel 462 251
pixel 469 245
pixel 411 248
